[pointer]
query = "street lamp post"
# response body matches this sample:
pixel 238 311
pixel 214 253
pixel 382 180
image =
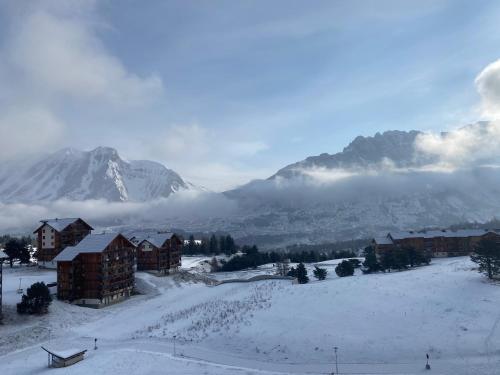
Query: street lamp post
pixel 336 360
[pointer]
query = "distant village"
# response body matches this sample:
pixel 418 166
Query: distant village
pixel 96 270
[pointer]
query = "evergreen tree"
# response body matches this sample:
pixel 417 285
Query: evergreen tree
pixel 345 268
pixel 212 245
pixel 230 245
pixel 387 260
pixel 370 264
pixel 204 248
pixel 222 245
pixel 320 273
pixel 191 248
pixel 302 274
pixel 487 256
pixel 36 300
pixel 16 249
pixel 400 259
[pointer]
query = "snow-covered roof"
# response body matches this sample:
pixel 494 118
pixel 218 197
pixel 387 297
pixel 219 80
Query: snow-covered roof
pixel 64 353
pixel 59 224
pixel 442 233
pixel 384 240
pixel 3 255
pixel 158 239
pixel 93 243
pixel 137 236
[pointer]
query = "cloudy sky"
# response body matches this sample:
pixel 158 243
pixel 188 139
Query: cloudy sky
pixel 228 91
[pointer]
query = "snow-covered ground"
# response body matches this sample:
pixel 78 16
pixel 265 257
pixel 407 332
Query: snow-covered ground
pixel 382 323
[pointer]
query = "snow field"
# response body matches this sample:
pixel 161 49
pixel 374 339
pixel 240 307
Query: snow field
pixel 382 323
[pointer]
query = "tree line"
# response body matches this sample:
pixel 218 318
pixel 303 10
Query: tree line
pixel 397 259
pixel 212 245
pixel 251 257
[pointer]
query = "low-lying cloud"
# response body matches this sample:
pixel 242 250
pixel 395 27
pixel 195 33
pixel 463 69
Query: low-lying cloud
pixel 471 145
pixel 176 210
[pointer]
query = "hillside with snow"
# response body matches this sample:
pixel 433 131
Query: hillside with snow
pixel 381 323
pixel 81 175
pixel 389 181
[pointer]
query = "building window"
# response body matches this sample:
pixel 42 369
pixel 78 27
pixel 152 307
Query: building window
pixel 43 237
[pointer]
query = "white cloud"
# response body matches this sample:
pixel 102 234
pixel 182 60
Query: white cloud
pixel 27 131
pixel 53 62
pixel 62 55
pixel 178 209
pixel 206 156
pixel 488 86
pixel 467 146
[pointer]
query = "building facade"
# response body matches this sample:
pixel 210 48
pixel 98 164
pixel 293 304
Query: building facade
pixel 438 243
pixel 54 235
pixel 160 252
pixel 98 271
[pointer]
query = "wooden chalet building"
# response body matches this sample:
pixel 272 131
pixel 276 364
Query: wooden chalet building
pixel 54 235
pixel 159 252
pixel 98 271
pixel 438 243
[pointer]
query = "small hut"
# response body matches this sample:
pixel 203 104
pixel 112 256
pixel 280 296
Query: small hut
pixel 64 358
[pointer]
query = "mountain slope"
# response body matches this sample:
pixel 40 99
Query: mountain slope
pixel 81 175
pixel 365 152
pixel 374 185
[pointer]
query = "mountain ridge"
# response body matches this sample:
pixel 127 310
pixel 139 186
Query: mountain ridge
pixel 96 174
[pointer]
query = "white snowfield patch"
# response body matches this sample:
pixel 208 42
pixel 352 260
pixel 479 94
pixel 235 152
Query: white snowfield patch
pixel 382 323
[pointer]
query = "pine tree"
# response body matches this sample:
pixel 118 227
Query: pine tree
pixel 204 248
pixel 36 300
pixel 401 260
pixel 213 247
pixel 370 264
pixel 487 256
pixel 387 260
pixel 345 268
pixel 302 274
pixel 191 248
pixel 222 245
pixel 230 245
pixel 14 249
pixel 320 273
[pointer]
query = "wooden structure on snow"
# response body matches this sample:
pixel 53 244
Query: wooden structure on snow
pixel 159 252
pixel 54 235
pixel 96 272
pixel 64 358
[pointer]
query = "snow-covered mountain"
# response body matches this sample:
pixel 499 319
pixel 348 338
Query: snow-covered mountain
pixel 375 184
pixel 365 152
pixel 82 175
